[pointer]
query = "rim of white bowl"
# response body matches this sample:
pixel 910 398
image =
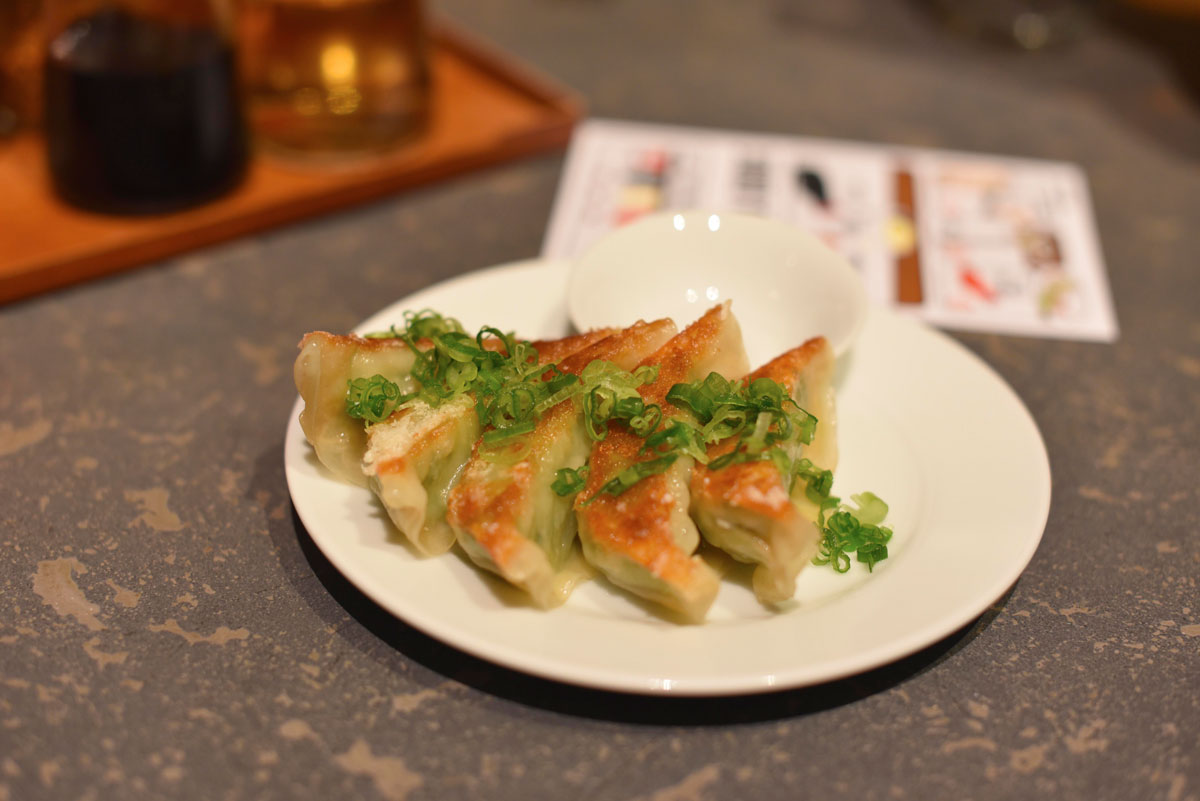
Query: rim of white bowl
pixel 838 264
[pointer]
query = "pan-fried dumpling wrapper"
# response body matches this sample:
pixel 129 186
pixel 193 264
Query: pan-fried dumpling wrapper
pixel 814 393
pixel 504 512
pixel 643 539
pixel 414 457
pixel 323 369
pixel 745 508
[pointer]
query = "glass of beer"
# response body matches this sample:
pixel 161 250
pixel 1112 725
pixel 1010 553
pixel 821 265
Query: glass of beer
pixel 333 77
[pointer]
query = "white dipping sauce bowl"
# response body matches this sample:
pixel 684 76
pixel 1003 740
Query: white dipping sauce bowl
pixel 785 284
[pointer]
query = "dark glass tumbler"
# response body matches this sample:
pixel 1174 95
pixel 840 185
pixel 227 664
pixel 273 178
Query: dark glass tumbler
pixel 142 108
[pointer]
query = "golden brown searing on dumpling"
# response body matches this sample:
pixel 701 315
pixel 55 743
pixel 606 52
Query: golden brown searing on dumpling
pixel 643 539
pixel 746 509
pixel 504 512
pixel 414 457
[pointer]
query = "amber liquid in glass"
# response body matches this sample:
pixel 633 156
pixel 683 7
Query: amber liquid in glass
pixel 335 76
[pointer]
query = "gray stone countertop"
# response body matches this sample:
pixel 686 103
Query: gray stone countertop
pixel 169 630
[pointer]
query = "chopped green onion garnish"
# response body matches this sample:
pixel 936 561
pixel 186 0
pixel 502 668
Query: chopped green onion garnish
pixel 372 399
pixel 610 393
pixel 849 529
pixel 568 481
pixel 762 416
pixel 633 474
pixel 498 435
pixel 512 391
pixel 818 482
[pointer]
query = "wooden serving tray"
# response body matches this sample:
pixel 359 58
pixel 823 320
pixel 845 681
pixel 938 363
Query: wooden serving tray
pixel 487 109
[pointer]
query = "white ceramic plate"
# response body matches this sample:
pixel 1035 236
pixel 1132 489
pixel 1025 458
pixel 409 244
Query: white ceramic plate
pixel 923 423
pixel 678 264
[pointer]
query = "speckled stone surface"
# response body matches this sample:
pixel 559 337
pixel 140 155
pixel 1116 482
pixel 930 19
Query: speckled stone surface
pixel 168 629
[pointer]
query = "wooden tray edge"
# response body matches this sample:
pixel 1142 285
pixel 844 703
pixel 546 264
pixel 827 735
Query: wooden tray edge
pixel 564 108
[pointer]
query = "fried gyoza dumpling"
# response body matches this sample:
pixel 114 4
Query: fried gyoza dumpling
pixel 745 508
pixel 643 539
pixel 414 457
pixel 326 364
pixel 504 512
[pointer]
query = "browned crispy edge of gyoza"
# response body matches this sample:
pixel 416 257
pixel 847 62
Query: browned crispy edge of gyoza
pixel 643 539
pixel 549 351
pixel 325 363
pixel 746 509
pixel 413 473
pixel 491 508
